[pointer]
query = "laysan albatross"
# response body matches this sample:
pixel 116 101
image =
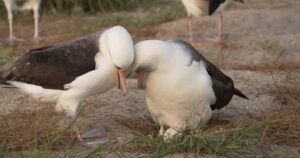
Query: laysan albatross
pixel 114 55
pixel 206 7
pixel 182 87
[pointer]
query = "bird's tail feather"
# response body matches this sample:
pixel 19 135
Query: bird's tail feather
pixel 37 92
pixel 239 93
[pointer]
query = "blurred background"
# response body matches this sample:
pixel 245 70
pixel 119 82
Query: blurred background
pixel 62 20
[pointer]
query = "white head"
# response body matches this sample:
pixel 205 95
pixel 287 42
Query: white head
pixel 116 44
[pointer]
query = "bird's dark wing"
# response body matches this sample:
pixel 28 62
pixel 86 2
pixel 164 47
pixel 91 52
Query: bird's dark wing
pixel 223 86
pixel 54 66
pixel 214 5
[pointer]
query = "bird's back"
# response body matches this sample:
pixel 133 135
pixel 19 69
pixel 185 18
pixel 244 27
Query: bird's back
pixel 54 66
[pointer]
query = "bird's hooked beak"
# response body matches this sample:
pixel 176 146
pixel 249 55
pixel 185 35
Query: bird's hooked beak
pixel 121 74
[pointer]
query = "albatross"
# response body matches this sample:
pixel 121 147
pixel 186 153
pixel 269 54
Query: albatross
pixel 206 7
pixel 182 87
pixel 114 55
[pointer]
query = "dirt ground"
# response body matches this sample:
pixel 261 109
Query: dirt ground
pixel 261 53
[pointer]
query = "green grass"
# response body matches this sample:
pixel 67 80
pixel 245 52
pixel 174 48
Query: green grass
pixel 228 141
pixel 272 46
pixel 91 6
pixel 293 77
pixel 231 139
pixel 5 57
pixel 164 14
pixel 37 134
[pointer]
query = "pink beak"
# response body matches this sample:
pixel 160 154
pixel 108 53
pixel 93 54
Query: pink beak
pixel 121 74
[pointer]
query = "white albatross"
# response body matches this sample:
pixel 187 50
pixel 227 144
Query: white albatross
pixel 182 87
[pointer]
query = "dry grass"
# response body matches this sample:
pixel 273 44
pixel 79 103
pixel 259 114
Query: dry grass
pixel 284 123
pixel 38 129
pixel 283 126
pixel 23 130
pixel 140 125
pixel 246 136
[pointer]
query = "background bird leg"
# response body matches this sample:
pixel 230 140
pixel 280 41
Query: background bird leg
pixel 36 17
pixel 9 7
pixel 219 36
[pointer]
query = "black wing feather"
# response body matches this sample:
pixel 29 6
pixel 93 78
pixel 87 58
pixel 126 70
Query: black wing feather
pixel 214 5
pixel 54 66
pixel 223 85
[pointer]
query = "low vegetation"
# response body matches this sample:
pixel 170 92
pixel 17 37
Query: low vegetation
pixel 5 56
pixel 90 6
pixel 225 139
pixel 242 137
pixel 93 5
pixel 36 133
pixel 272 46
pixel 164 14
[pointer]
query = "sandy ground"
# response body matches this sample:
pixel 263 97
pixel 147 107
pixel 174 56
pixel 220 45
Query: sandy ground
pixel 245 56
pixel 247 30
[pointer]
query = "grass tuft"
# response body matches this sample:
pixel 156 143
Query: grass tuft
pixel 272 46
pixel 284 125
pixel 243 137
pixel 163 14
pixel 219 140
pixel 33 130
pixel 5 57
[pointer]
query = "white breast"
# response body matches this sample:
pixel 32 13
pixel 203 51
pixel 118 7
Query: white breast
pixel 177 93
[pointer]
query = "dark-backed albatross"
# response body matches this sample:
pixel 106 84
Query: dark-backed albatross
pixel 182 87
pixel 115 54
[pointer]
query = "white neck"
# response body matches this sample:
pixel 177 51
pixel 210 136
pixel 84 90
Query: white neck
pixel 149 55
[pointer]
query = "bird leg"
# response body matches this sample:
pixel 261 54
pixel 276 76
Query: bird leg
pixel 170 134
pixel 78 135
pixel 121 76
pixel 161 131
pixel 142 77
pixel 11 38
pixel 219 37
pixel 79 138
pixel 36 17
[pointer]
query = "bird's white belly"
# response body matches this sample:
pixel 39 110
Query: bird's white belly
pixel 178 99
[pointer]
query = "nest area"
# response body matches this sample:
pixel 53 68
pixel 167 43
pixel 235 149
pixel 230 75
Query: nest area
pixel 36 128
pixel 41 127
